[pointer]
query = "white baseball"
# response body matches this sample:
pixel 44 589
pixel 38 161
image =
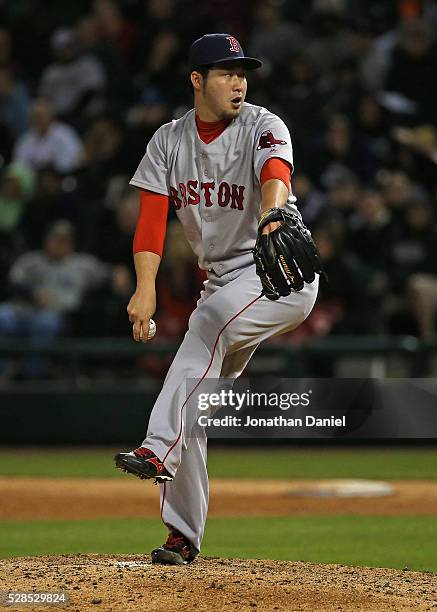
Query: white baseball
pixel 152 329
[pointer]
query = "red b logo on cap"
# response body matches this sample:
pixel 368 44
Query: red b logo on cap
pixel 235 47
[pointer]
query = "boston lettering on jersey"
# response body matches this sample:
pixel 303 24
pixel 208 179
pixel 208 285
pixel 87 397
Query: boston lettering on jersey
pixel 223 195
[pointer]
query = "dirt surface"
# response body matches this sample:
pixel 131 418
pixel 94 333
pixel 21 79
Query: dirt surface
pixel 129 583
pixel 74 498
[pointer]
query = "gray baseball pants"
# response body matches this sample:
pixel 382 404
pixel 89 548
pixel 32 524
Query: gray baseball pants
pixel 230 321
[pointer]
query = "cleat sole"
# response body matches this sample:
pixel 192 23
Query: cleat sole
pixel 129 469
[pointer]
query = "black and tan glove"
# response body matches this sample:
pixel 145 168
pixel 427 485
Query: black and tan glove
pixel 287 257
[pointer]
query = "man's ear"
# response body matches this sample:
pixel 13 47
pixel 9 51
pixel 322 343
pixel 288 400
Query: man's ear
pixel 196 80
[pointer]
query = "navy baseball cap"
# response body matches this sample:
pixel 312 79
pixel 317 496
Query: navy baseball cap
pixel 219 49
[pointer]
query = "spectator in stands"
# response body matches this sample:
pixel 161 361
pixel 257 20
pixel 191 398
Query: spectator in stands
pixel 301 97
pixel 328 42
pixel 16 188
pixel 116 229
pixel 311 200
pixel 344 88
pixel 422 289
pixel 162 15
pixel 102 143
pixel 340 146
pixel 422 285
pixel 412 265
pixel 14 103
pixel 370 122
pixel 104 155
pixel 370 228
pixel 56 277
pixel 120 32
pixel 418 151
pixel 49 203
pixel 273 38
pixel 369 117
pixel 73 84
pixel 8 99
pixel 143 119
pixel 112 240
pixel 346 299
pixel 48 142
pixel 343 191
pixel 413 68
pixel 159 65
pixel 372 54
pixel 93 43
pixel 48 287
pixel 399 192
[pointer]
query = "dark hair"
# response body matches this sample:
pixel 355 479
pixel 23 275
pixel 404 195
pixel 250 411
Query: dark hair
pixel 203 70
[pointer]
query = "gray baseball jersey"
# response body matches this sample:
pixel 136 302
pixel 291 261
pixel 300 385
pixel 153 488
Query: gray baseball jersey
pixel 215 188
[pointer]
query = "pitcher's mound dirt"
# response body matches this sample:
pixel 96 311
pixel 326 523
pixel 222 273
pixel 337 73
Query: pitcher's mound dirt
pixel 89 498
pixel 130 583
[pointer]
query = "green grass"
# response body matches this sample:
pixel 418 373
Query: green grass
pixel 239 463
pixel 363 540
pixel 351 540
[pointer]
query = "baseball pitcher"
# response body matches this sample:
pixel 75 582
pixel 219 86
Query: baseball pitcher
pixel 225 167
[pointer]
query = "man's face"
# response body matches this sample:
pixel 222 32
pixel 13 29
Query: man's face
pixel 58 246
pixel 40 117
pixel 224 91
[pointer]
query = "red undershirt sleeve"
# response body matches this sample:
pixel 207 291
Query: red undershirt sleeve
pixel 276 168
pixel 151 223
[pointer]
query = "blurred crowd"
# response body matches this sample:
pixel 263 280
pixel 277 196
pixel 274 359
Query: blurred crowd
pixel 84 85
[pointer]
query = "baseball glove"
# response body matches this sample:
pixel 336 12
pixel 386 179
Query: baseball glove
pixel 287 257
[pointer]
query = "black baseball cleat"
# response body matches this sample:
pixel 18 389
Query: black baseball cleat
pixel 178 550
pixel 143 463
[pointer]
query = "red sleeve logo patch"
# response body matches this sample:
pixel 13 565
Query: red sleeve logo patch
pixel 268 141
